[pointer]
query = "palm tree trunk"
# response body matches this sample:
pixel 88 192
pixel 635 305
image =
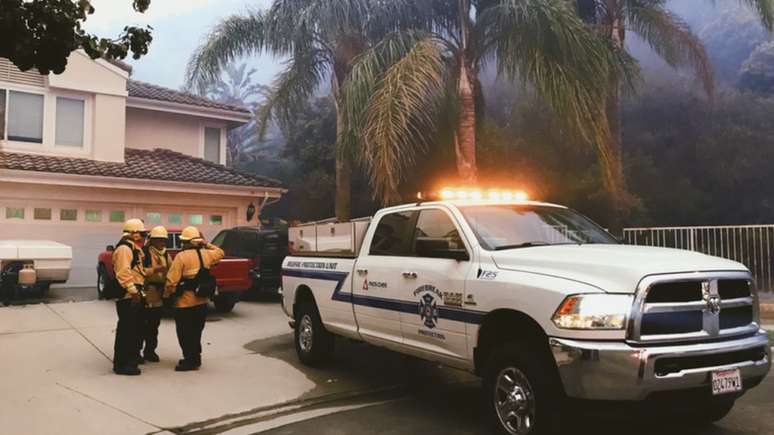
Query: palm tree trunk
pixel 343 175
pixel 465 137
pixel 343 158
pixel 615 182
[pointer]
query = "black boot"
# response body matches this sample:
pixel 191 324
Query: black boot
pixel 127 371
pixel 151 356
pixel 186 366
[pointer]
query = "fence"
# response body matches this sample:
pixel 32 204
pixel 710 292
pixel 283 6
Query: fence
pixel 751 245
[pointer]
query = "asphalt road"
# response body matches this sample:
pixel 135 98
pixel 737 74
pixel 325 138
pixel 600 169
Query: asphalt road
pixel 432 400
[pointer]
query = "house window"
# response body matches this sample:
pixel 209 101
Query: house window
pixel 69 122
pixel 25 117
pixel 195 219
pixel 153 218
pixel 212 144
pixel 42 214
pixel 14 213
pixel 93 216
pixel 68 214
pixel 216 219
pixel 117 216
pixel 175 219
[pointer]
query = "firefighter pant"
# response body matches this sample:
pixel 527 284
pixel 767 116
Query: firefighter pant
pixel 189 323
pixel 151 319
pixel 127 346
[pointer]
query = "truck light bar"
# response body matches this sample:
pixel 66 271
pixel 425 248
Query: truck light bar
pixel 449 193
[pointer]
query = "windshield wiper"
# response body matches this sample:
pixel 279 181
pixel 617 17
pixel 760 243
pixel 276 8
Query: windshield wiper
pixel 521 245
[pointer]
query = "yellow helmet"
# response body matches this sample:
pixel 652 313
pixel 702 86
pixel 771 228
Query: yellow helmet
pixel 190 233
pixel 134 226
pixel 158 232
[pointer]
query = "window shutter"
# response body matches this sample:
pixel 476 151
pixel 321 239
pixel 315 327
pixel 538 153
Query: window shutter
pixel 10 74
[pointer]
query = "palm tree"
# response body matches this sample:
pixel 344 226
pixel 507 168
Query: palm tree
pixel 669 37
pixel 406 87
pixel 238 89
pixel 318 39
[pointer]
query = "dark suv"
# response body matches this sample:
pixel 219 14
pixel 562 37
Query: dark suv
pixel 266 247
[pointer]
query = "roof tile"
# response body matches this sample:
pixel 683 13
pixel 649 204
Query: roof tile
pixel 158 164
pixel 149 91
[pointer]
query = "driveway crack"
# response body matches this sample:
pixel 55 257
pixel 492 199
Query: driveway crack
pixel 80 333
pixel 103 403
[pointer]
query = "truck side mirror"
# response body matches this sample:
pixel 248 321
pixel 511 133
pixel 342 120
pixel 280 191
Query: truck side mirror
pixel 110 248
pixel 439 248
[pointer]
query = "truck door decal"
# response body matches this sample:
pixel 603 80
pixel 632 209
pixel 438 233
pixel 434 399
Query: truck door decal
pixel 339 277
pixel 463 315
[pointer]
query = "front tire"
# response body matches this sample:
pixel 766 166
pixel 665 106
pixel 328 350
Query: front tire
pixel 224 303
pixel 314 345
pixel 521 393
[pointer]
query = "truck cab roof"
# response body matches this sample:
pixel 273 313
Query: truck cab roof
pixel 471 202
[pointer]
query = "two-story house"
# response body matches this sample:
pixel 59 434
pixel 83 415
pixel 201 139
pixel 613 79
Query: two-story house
pixel 83 151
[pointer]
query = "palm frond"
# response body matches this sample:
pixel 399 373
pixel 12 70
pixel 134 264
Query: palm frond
pixel 671 38
pixel 765 10
pixel 234 37
pixel 401 110
pixel 291 90
pixel 546 44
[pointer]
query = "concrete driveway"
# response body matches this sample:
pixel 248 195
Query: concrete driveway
pixel 56 372
pixel 56 379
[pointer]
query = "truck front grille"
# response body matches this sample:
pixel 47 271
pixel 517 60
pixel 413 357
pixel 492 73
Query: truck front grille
pixel 680 322
pixel 693 308
pixel 686 291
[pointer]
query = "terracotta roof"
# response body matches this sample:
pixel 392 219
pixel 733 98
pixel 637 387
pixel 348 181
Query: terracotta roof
pixel 120 64
pixel 148 91
pixel 159 164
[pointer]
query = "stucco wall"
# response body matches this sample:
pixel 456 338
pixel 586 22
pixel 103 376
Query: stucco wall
pixel 146 129
pixel 108 127
pixel 88 239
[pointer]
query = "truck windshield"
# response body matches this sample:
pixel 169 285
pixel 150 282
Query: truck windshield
pixel 501 227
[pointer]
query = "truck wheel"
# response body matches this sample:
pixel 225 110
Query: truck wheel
pixel 714 411
pixel 521 396
pixel 101 282
pixel 224 303
pixel 314 344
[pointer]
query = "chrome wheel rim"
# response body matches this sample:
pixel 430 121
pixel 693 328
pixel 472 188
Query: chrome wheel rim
pixel 100 282
pixel 305 333
pixel 514 401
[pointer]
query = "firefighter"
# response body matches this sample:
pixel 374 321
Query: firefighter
pixel 193 285
pixel 157 262
pixel 129 272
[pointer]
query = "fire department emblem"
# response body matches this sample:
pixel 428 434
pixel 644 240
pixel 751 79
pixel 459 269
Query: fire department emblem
pixel 428 310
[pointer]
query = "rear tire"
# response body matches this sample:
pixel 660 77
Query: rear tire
pixel 314 344
pixel 522 395
pixel 102 281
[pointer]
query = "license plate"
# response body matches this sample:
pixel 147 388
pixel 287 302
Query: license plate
pixel 727 381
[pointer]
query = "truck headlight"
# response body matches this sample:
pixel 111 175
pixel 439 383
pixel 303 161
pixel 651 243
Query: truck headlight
pixel 593 311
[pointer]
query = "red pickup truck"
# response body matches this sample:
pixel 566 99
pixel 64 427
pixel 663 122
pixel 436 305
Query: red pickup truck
pixel 234 275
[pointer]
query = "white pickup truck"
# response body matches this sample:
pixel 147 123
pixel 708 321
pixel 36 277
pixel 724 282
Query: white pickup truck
pixel 32 265
pixel 538 300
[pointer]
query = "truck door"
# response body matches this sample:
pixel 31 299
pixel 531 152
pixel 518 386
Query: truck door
pixel 377 284
pixel 434 281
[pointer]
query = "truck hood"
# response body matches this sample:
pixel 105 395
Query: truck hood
pixel 612 268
